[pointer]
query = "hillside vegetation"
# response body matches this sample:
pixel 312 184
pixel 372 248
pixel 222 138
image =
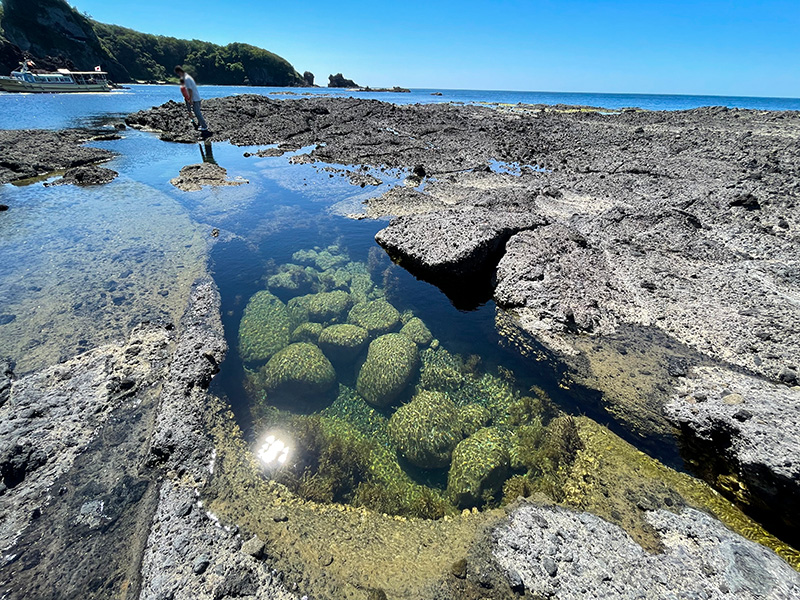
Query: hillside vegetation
pixel 53 31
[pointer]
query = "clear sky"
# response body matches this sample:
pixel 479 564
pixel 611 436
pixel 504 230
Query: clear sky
pixel 723 47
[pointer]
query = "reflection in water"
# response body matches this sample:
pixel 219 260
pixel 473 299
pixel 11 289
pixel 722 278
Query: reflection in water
pixel 207 152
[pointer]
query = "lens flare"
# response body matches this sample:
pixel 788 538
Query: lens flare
pixel 273 451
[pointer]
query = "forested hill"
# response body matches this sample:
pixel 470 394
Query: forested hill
pixel 58 35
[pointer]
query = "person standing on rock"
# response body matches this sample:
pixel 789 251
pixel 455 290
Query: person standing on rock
pixel 192 96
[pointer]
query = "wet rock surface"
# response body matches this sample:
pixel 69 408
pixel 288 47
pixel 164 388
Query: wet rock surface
pixel 748 430
pixel 30 153
pixel 90 175
pixel 553 552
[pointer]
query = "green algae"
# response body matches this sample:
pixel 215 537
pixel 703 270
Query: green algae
pixel 264 328
pixel 391 364
pixel 301 371
pixel 342 343
pixel 500 443
pixel 376 316
pixel 416 330
pixel 307 332
pixel 426 430
pixel 479 468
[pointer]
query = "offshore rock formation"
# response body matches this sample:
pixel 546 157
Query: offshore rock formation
pixel 339 81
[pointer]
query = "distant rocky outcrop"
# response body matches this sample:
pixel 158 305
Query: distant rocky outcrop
pixel 56 35
pixel 340 81
pixel 308 77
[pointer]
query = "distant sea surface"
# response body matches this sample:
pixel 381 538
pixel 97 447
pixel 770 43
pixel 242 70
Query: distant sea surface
pixel 57 111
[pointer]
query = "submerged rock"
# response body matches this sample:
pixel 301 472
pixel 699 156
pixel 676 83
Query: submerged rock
pixel 342 343
pixel 559 552
pixel 479 467
pixel 299 372
pixel 89 175
pixel 417 332
pixel 307 332
pixel 327 306
pixel 377 316
pixel 391 364
pixel 264 328
pixel 426 430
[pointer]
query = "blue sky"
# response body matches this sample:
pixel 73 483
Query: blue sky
pixel 748 48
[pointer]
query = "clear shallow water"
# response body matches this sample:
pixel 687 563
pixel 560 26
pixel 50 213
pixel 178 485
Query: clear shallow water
pixel 55 111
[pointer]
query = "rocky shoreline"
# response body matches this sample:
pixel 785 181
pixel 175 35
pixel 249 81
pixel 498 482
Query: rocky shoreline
pixel 682 222
pixel 586 228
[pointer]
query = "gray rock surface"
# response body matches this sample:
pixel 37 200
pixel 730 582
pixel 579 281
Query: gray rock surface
pixel 751 426
pixel 453 243
pixel 554 552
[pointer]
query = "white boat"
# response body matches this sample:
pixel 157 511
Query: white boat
pixel 64 80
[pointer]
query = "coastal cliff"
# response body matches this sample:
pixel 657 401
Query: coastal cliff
pixel 56 35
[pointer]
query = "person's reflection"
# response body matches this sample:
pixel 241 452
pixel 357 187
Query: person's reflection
pixel 207 153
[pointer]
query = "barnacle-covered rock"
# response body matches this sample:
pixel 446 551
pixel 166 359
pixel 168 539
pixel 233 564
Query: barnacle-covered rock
pixel 300 371
pixel 391 364
pixel 416 330
pixel 377 316
pixel 307 332
pixel 426 430
pixel 264 328
pixel 478 468
pixel 342 343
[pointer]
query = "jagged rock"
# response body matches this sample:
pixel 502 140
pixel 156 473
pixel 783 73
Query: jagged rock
pixel 746 426
pixel 451 244
pixel 339 81
pixel 574 555
pixel 193 177
pixel 90 175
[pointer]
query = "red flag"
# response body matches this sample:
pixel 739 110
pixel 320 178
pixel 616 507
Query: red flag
pixel 98 68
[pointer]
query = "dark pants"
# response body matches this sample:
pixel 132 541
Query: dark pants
pixel 198 113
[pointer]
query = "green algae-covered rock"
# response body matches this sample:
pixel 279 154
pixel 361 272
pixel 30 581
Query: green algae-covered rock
pixel 264 328
pixel 360 287
pixel 299 370
pixel 307 332
pixel 441 371
pixel 417 332
pixel 391 364
pixel 294 280
pixel 426 430
pixel 473 417
pixel 327 306
pixel 342 343
pixel 324 259
pixel 377 316
pixel 336 279
pixel 478 468
pixel 298 310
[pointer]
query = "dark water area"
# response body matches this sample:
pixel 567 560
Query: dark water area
pixel 57 111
